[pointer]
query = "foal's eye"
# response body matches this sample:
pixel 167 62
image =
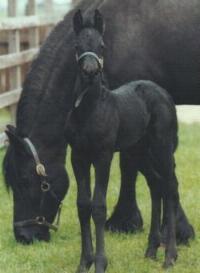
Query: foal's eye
pixel 102 45
pixel 76 47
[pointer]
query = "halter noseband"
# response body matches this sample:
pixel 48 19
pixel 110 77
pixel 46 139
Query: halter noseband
pixel 90 53
pixel 45 187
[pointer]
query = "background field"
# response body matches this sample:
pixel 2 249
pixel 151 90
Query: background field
pixel 125 252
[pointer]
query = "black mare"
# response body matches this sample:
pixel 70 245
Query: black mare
pixel 153 40
pixel 136 118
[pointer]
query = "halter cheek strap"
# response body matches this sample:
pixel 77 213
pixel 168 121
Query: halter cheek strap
pixel 40 169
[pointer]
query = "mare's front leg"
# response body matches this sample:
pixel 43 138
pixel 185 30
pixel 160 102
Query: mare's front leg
pixel 102 170
pixel 81 167
pixel 126 216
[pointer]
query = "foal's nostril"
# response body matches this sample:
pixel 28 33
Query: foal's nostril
pixel 90 72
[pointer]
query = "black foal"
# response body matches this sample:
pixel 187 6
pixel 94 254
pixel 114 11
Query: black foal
pixel 138 118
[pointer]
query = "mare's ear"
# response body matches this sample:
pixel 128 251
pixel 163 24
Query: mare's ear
pixel 78 21
pixel 99 23
pixel 14 139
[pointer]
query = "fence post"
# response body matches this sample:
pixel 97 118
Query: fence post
pixel 48 8
pixel 13 47
pixel 34 32
pixel 2 81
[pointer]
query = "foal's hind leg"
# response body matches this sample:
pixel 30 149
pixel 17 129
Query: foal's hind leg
pixel 82 173
pixel 170 200
pixel 163 163
pixel 154 235
pixel 126 216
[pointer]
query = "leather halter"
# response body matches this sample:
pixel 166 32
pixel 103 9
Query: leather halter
pixel 94 55
pixel 45 187
pixel 100 62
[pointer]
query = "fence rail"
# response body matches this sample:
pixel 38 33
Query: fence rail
pixel 15 59
pixel 24 22
pixel 10 98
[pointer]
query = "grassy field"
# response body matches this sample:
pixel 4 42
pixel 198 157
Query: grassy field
pixel 125 252
pixel 5 118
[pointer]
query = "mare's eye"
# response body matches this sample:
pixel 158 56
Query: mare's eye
pixel 26 178
pixel 24 181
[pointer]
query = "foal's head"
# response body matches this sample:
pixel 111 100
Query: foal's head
pixel 89 45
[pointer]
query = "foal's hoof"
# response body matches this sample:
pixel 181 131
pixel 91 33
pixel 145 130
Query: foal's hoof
pixel 124 223
pixel 168 263
pixel 82 269
pixel 151 253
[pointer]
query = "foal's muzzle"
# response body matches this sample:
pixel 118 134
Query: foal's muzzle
pixel 91 63
pixel 90 67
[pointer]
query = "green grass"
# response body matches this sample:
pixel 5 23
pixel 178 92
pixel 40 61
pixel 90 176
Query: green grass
pixel 125 252
pixel 5 118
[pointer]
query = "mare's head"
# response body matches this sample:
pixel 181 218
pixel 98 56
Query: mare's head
pixel 89 44
pixel 38 184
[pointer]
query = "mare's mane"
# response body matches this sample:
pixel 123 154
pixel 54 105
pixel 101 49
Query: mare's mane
pixel 41 84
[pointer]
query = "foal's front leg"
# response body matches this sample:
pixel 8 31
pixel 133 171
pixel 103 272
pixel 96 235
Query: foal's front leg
pixel 81 167
pixel 102 170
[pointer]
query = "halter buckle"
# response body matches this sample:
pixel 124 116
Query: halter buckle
pixel 40 169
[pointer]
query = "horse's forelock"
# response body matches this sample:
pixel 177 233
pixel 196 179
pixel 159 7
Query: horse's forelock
pixel 8 161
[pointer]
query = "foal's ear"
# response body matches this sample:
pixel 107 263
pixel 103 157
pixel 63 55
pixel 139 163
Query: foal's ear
pixel 99 23
pixel 78 21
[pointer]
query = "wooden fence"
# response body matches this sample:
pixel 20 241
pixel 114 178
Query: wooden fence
pixel 11 63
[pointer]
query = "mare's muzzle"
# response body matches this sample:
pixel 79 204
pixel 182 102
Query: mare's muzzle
pixel 38 227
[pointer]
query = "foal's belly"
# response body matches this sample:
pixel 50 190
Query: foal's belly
pixel 129 138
